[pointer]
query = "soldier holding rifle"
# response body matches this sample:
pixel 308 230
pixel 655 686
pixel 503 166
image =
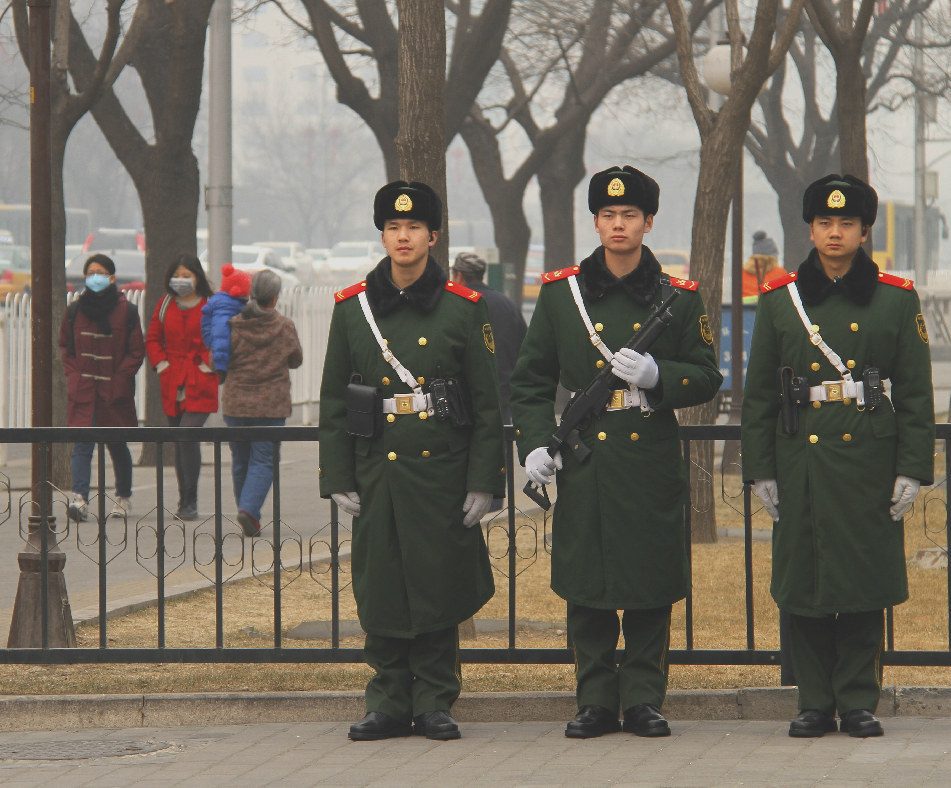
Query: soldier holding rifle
pixel 618 531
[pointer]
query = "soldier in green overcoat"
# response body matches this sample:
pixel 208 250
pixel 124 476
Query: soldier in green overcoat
pixel 618 527
pixel 836 456
pixel 411 446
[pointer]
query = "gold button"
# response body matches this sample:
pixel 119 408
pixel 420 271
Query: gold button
pixel 602 436
pixel 518 432
pixel 815 366
pixel 815 329
pixel 320 471
pixel 502 469
pixel 685 382
pixel 423 415
pixel 386 381
pixel 846 400
pixel 386 342
pixel 817 404
pixel 422 340
pixel 850 364
pixel 854 326
pixel 425 453
pixel 599 326
pixel 391 455
pixel 390 418
pixel 421 380
pixel 813 439
pixel 846 437
pixel 637 326
pixel 634 436
pixel 600 363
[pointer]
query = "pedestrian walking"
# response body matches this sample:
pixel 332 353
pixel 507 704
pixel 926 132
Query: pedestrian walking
pixel 618 525
pixel 178 354
pixel 257 392
pixel 100 340
pixel 411 446
pixel 838 437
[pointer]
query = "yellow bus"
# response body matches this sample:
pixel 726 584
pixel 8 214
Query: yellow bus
pixel 893 236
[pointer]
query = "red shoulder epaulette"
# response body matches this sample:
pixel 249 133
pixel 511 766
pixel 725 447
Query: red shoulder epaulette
pixel 554 276
pixel 684 284
pixel 463 292
pixel 343 295
pixel 774 284
pixel 897 281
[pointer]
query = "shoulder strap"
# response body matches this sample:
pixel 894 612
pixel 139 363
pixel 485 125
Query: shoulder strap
pixel 163 307
pixel 592 334
pixel 405 375
pixel 814 337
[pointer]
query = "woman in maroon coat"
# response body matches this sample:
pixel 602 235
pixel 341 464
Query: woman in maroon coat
pixel 178 354
pixel 101 343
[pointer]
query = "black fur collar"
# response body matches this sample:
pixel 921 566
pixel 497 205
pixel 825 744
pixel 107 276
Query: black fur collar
pixel 422 295
pixel 640 285
pixel 858 284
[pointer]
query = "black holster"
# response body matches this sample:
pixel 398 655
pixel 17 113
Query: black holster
pixel 793 395
pixel 364 409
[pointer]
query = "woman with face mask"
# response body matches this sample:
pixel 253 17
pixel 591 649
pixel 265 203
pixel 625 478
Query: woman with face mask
pixel 101 344
pixel 179 356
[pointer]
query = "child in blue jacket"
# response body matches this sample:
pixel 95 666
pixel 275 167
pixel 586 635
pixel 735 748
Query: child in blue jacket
pixel 220 308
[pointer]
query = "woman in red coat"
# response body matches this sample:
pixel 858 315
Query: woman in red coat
pixel 101 344
pixel 179 356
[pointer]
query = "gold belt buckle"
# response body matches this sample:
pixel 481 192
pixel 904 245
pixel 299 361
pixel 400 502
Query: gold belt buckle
pixel 404 403
pixel 833 391
pixel 617 398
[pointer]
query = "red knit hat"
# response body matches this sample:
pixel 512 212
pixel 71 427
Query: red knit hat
pixel 235 282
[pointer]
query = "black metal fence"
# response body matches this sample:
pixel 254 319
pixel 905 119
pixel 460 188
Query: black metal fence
pixel 219 551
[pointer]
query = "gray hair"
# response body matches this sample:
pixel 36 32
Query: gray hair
pixel 265 286
pixel 470 265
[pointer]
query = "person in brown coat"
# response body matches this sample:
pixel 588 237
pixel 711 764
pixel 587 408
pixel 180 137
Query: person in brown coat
pixel 100 339
pixel 257 391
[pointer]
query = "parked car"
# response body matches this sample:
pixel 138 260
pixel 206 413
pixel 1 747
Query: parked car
pixel 349 260
pixel 14 269
pixel 130 268
pixel 111 238
pixel 295 258
pixel 255 258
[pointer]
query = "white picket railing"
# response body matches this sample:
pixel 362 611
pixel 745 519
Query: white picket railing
pixel 309 307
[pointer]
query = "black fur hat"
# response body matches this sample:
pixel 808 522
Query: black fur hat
pixel 623 186
pixel 840 195
pixel 407 200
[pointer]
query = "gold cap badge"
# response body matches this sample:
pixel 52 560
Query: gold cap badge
pixel 836 200
pixel 404 203
pixel 616 188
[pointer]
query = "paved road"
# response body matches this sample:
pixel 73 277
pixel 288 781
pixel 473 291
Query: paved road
pixel 914 751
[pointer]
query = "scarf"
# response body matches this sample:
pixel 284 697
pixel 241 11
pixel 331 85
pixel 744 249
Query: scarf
pixel 98 307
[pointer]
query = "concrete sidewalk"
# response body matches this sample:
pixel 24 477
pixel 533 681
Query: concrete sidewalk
pixel 914 751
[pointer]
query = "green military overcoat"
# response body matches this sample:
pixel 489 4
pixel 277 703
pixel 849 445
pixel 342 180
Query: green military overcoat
pixel 618 527
pixel 416 568
pixel 835 547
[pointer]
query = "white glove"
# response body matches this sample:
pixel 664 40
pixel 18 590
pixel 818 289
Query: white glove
pixel 349 502
pixel 541 466
pixel 903 496
pixel 476 505
pixel 631 367
pixel 768 492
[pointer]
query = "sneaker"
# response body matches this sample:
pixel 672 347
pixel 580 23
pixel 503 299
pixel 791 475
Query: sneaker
pixel 122 507
pixel 78 508
pixel 187 511
pixel 251 526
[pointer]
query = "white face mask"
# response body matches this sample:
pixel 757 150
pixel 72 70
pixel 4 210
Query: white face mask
pixel 181 285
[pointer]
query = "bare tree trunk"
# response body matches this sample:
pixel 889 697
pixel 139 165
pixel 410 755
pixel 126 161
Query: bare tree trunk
pixel 557 181
pixel 421 141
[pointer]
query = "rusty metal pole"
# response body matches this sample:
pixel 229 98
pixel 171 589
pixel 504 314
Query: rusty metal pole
pixel 41 613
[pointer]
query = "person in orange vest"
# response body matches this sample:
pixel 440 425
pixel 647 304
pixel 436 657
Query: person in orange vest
pixel 760 267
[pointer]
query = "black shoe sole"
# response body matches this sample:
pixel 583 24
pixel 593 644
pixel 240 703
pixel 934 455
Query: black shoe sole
pixel 576 733
pixel 439 735
pixel 866 734
pixel 647 733
pixel 395 733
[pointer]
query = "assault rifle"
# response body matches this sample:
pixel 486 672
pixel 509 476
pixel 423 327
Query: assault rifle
pixel 591 402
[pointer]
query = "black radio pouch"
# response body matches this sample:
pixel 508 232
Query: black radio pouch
pixel 364 409
pixel 460 403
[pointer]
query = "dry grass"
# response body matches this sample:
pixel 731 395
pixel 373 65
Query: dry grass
pixel 719 622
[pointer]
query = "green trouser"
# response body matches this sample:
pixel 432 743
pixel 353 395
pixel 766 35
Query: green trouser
pixel 413 675
pixel 837 660
pixel 642 675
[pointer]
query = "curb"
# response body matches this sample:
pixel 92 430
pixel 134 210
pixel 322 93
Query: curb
pixel 52 712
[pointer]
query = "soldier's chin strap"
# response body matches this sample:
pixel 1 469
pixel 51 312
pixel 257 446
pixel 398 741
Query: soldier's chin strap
pixel 816 339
